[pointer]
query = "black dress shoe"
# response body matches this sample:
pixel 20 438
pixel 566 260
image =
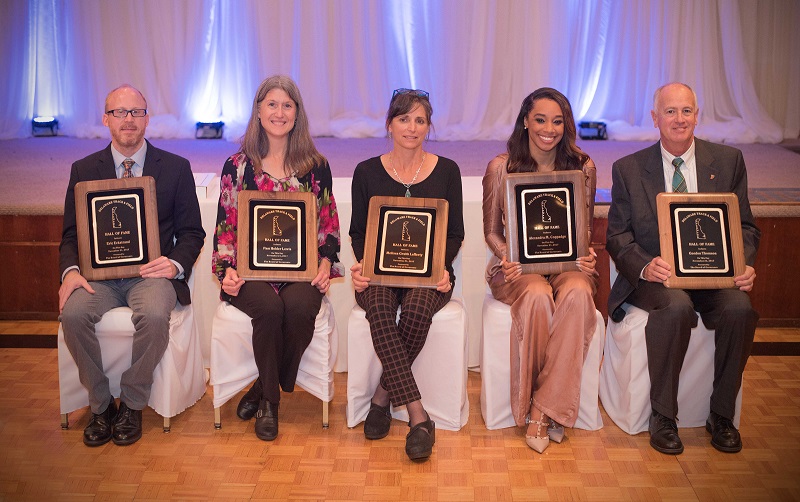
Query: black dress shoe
pixel 724 436
pixel 127 428
pixel 420 439
pixel 248 405
pixel 664 434
pixel 98 432
pixel 267 421
pixel 378 422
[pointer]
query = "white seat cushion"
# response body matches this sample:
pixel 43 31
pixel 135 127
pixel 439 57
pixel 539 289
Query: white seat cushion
pixel 496 370
pixel 233 366
pixel 625 380
pixel 440 369
pixel 178 380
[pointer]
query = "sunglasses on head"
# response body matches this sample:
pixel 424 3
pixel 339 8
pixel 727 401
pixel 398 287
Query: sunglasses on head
pixel 415 92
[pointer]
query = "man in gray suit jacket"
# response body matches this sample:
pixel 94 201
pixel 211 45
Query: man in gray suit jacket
pixel 680 162
pixel 153 294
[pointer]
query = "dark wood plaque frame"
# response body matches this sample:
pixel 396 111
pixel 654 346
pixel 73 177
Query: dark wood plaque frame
pixel 243 263
pixel 437 248
pixel 666 232
pixel 121 186
pixel 581 234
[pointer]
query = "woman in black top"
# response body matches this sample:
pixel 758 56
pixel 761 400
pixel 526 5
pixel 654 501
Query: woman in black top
pixel 407 170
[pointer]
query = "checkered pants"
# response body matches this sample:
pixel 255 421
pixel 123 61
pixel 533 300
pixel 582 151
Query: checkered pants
pixel 399 343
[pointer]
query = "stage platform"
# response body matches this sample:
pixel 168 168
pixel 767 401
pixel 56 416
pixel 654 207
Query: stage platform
pixel 35 173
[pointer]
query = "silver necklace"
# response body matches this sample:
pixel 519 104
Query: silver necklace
pixel 407 185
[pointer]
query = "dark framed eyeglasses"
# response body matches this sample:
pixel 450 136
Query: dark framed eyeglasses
pixel 414 92
pixel 121 113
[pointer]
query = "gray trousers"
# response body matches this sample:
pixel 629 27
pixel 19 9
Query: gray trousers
pixel 152 301
pixel 672 316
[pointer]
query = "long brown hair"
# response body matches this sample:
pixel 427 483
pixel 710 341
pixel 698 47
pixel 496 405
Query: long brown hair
pixel 301 154
pixel 568 155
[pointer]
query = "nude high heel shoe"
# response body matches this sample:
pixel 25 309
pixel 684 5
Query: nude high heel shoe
pixel 540 440
pixel 555 431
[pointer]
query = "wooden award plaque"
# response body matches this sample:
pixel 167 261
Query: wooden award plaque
pixel 117 222
pixel 405 241
pixel 701 239
pixel 546 220
pixel 277 236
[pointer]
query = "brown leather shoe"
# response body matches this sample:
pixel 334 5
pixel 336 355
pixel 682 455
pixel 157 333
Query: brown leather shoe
pixel 724 436
pixel 378 422
pixel 420 440
pixel 664 434
pixel 127 428
pixel 98 432
pixel 248 405
pixel 267 421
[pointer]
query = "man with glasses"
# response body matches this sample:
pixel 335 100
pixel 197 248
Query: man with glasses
pixel 679 162
pixel 153 294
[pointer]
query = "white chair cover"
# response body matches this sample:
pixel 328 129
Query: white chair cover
pixel 233 366
pixel 625 381
pixel 496 370
pixel 178 380
pixel 440 369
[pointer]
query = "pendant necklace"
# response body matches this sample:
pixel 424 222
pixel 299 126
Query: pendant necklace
pixel 407 185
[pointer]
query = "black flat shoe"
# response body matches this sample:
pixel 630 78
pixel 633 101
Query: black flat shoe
pixel 127 428
pixel 724 436
pixel 378 421
pixel 664 434
pixel 267 421
pixel 248 405
pixel 420 440
pixel 98 432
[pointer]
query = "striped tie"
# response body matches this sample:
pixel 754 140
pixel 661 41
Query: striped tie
pixel 128 165
pixel 678 181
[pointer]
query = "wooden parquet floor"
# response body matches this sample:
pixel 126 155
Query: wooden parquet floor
pixel 40 461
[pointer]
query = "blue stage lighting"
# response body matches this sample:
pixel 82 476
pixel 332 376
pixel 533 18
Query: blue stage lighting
pixel 44 126
pixel 209 130
pixel 592 130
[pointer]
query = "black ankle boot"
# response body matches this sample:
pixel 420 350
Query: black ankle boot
pixel 420 440
pixel 267 421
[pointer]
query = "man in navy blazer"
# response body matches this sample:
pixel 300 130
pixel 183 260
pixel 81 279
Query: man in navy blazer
pixel 153 294
pixel 632 241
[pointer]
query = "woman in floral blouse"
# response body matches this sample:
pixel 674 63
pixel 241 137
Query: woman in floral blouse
pixel 278 155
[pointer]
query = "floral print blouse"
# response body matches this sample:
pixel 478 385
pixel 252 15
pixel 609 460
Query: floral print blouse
pixel 239 174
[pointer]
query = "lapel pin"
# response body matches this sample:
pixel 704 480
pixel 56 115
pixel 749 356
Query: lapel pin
pixel 713 176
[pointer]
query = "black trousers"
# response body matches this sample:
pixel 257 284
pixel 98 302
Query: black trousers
pixel 399 343
pixel 672 316
pixel 283 325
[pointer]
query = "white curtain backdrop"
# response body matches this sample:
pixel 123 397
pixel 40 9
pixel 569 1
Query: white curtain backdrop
pixel 203 59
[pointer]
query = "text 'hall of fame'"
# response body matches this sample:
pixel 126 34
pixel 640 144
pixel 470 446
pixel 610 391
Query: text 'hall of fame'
pixel 547 223
pixel 406 242
pixel 117 221
pixel 278 236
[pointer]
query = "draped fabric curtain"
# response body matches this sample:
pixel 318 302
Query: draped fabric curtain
pixel 203 60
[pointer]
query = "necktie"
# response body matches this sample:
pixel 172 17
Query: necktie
pixel 678 181
pixel 128 165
